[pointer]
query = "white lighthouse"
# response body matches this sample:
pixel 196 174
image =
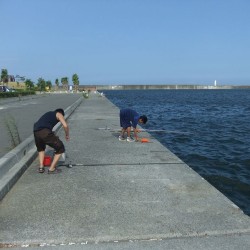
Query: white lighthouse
pixel 215 83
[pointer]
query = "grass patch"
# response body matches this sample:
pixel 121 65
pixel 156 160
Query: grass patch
pixel 12 130
pixel 16 93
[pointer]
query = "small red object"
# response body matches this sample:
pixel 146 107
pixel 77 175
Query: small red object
pixel 144 140
pixel 47 161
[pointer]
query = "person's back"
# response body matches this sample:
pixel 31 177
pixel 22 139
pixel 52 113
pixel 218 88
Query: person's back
pixel 48 120
pixel 129 115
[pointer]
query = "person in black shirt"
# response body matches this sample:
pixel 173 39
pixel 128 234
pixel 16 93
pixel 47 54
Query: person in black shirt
pixel 44 135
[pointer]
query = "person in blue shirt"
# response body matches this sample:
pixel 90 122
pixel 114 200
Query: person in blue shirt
pixel 130 118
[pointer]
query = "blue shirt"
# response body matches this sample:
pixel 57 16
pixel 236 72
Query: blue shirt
pixel 129 117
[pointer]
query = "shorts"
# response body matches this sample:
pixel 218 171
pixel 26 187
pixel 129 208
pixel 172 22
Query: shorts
pixel 45 137
pixel 124 123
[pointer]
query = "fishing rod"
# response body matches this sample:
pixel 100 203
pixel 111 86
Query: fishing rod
pixel 163 131
pixel 147 130
pixel 71 165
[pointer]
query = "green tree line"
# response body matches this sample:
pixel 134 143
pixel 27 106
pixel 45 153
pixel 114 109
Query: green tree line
pixel 43 85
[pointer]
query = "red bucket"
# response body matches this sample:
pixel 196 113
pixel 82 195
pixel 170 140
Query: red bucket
pixel 47 161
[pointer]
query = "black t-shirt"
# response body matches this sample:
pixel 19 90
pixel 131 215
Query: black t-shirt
pixel 48 120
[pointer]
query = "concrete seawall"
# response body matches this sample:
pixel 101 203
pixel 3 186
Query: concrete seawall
pixel 118 195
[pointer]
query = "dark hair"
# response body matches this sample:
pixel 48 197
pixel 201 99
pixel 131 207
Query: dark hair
pixel 60 111
pixel 144 119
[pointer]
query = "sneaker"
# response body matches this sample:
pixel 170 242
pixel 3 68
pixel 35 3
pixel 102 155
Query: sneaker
pixel 129 139
pixel 121 138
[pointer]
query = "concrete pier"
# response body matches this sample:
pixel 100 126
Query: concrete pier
pixel 118 195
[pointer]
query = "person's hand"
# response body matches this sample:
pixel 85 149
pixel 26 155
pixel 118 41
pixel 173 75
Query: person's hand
pixel 137 130
pixel 67 137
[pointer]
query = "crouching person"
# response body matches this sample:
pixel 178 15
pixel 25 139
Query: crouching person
pixel 44 135
pixel 130 118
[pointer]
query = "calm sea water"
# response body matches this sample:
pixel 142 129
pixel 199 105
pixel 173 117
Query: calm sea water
pixel 207 129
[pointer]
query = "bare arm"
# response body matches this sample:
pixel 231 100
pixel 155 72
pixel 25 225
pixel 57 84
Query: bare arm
pixel 60 117
pixel 136 131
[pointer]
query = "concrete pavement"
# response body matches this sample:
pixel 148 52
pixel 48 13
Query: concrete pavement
pixel 120 195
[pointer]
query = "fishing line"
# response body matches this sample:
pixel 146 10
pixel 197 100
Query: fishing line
pixel 148 130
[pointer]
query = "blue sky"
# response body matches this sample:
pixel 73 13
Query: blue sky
pixel 127 41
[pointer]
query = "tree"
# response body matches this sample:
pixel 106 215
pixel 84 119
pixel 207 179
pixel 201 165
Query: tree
pixel 29 84
pixel 48 85
pixel 57 83
pixel 4 76
pixel 65 82
pixel 75 80
pixel 41 84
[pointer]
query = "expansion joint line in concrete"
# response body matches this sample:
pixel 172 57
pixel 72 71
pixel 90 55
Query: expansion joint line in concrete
pixel 176 236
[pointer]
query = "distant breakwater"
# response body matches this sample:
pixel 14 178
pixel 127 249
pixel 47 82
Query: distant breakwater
pixel 172 86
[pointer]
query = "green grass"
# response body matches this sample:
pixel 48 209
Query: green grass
pixel 12 130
